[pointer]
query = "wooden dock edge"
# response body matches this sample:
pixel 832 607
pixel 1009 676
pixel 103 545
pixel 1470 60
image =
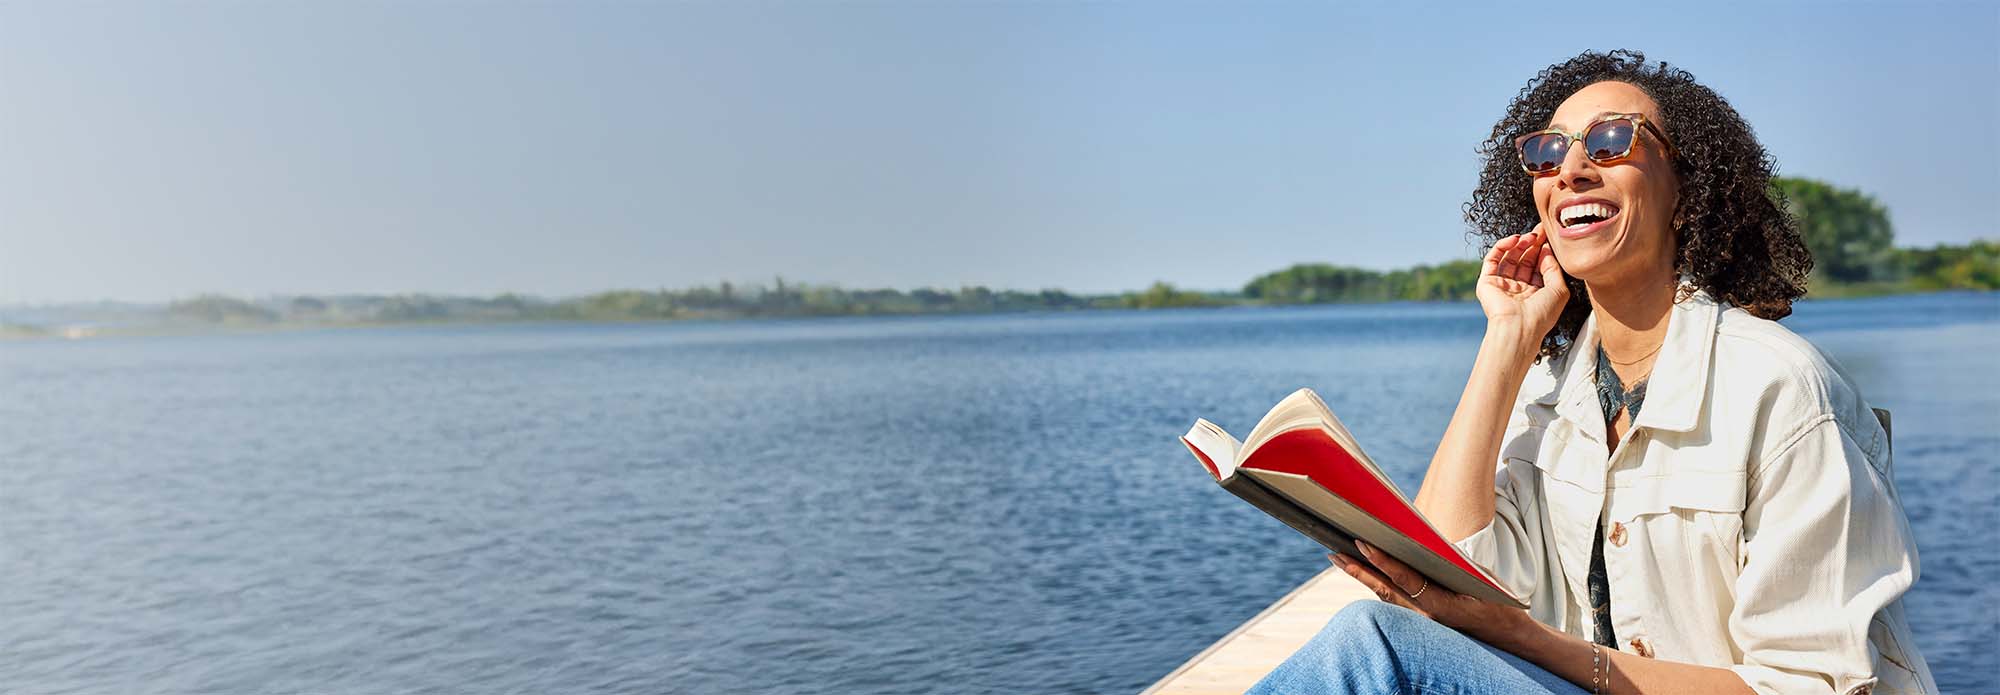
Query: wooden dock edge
pixel 1242 657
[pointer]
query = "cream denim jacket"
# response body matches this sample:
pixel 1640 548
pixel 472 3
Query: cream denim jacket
pixel 1751 521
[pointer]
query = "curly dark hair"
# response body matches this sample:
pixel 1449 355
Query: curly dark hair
pixel 1734 238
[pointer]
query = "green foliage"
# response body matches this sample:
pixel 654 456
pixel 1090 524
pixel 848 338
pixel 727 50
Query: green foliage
pixel 307 306
pixel 1165 296
pixel 218 309
pixel 793 299
pixel 622 305
pixel 1846 230
pixel 413 307
pixel 1313 283
pixel 1974 266
pixel 1854 253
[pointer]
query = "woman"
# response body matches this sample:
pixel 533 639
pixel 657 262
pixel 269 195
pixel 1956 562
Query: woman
pixel 1695 498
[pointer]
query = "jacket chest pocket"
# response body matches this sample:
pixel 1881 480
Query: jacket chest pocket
pixel 1658 495
pixel 1699 509
pixel 1572 459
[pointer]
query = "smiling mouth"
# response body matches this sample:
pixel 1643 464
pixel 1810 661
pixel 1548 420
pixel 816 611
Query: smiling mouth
pixel 1577 218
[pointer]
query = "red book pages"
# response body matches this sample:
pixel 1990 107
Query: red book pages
pixel 1210 465
pixel 1313 454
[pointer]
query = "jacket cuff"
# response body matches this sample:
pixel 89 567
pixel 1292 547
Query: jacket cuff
pixel 1482 548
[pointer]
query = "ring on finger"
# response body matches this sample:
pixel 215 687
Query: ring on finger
pixel 1420 589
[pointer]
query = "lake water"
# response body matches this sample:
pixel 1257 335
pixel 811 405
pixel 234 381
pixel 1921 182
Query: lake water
pixel 990 504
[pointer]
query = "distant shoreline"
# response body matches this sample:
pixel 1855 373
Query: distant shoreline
pixel 1852 246
pixel 164 320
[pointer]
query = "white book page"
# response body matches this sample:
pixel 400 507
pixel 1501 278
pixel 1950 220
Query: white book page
pixel 1217 445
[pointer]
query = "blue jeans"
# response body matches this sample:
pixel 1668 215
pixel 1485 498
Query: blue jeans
pixel 1383 649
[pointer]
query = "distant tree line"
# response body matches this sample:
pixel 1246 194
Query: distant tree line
pixel 1974 266
pixel 726 300
pixel 1848 232
pixel 218 309
pixel 1853 246
pixel 1313 283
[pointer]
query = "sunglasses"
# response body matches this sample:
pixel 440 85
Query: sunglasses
pixel 1605 141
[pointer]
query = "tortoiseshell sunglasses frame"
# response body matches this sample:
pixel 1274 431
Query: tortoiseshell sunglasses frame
pixel 1571 139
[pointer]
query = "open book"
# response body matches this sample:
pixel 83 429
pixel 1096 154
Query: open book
pixel 1300 465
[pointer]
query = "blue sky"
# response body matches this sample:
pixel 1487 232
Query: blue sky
pixel 151 151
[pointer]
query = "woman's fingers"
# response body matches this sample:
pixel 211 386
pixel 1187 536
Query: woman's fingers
pixel 1491 263
pixel 1496 257
pixel 1512 259
pixel 1542 251
pixel 1519 262
pixel 1504 260
pixel 1552 272
pixel 1398 573
pixel 1383 588
pixel 1526 256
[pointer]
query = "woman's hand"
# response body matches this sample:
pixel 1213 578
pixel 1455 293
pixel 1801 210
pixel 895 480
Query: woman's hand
pixel 1511 630
pixel 1521 287
pixel 1394 581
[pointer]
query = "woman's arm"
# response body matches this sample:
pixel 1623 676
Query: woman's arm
pixel 1457 494
pixel 1522 291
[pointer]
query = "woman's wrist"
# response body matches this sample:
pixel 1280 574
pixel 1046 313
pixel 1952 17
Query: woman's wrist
pixel 1507 343
pixel 1526 638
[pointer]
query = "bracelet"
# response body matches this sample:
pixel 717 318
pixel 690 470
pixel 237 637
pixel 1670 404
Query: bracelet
pixel 1596 670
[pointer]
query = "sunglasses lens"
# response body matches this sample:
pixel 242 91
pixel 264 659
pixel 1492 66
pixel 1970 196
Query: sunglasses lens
pixel 1609 140
pixel 1543 153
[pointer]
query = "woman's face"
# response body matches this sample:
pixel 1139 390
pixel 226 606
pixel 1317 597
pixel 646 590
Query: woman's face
pixel 1636 242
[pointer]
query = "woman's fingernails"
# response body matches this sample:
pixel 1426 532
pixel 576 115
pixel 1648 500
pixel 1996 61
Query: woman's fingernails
pixel 1363 547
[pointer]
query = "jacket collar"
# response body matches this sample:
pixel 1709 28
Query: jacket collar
pixel 1679 382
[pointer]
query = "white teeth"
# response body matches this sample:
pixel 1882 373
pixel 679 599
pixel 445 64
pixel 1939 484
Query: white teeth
pixel 1569 214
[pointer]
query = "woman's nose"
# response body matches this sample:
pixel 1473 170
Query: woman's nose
pixel 1576 168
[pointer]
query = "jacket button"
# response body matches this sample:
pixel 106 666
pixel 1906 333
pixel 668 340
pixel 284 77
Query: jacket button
pixel 1640 647
pixel 1618 534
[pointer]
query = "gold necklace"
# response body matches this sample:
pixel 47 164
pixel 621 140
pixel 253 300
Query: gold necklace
pixel 1642 358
